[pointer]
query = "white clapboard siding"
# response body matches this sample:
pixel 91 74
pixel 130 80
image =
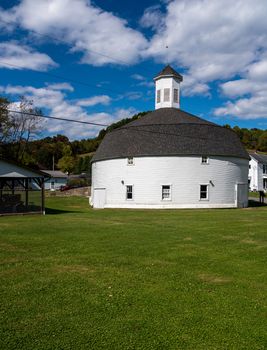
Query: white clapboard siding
pixel 183 173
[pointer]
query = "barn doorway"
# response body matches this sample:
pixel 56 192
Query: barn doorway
pixel 99 198
pixel 241 192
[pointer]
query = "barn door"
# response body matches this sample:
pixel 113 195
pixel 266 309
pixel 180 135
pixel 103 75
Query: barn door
pixel 241 191
pixel 99 197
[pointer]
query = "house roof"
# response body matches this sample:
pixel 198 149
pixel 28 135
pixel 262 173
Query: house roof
pixel 262 158
pixel 11 169
pixel 170 132
pixel 55 173
pixel 169 71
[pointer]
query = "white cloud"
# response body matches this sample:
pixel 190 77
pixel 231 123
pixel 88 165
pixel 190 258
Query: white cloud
pixel 16 56
pixel 55 102
pixel 86 28
pixel 138 77
pixel 92 101
pixel 245 108
pixel 122 113
pixel 152 17
pixel 210 39
pixel 248 94
pixel 60 86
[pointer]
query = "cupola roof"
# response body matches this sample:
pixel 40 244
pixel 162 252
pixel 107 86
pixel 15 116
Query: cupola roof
pixel 168 71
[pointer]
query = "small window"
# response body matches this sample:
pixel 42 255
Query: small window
pixel 249 166
pixel 264 169
pixel 203 192
pixel 130 161
pixel 175 95
pixel 166 192
pixel 166 95
pixel 158 96
pixel 204 160
pixel 129 192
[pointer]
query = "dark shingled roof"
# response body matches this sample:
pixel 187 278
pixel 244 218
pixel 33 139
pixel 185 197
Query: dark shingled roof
pixel 167 71
pixel 170 132
pixel 262 158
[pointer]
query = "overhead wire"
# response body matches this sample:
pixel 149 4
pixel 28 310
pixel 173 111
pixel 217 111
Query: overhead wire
pixel 56 118
pixel 136 128
pixel 67 43
pixel 70 44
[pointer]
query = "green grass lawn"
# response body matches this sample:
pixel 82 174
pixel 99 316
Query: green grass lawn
pixel 79 278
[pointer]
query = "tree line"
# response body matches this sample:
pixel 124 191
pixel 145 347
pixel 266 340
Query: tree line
pixel 20 140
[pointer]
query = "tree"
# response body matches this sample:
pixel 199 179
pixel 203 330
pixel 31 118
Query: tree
pixel 263 142
pixel 67 162
pixel 4 120
pixel 18 128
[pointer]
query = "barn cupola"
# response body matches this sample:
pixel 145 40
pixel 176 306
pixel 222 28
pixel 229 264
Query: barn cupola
pixel 167 84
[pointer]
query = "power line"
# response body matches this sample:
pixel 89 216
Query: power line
pixel 67 43
pixel 56 118
pixel 130 128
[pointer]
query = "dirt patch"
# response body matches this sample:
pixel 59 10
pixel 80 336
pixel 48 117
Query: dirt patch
pixel 249 241
pixel 214 279
pixel 7 247
pixel 73 269
pixel 253 242
pixel 188 239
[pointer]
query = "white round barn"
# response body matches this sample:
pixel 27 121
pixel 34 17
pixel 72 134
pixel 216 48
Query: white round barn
pixel 170 159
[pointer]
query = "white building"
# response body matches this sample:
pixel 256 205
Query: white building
pixel 170 159
pixel 56 181
pixel 257 175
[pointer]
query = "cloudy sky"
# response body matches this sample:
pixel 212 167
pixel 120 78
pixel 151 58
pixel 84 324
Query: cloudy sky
pixel 95 60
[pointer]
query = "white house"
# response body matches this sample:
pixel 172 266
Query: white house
pixel 56 180
pixel 257 175
pixel 170 159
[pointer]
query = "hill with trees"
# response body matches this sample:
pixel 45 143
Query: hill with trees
pixel 18 130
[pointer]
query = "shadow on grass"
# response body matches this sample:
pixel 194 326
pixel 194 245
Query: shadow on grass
pixel 256 203
pixel 53 211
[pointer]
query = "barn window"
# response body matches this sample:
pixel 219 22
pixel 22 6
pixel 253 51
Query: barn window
pixel 129 192
pixel 175 95
pixel 130 161
pixel 158 96
pixel 204 193
pixel 204 160
pixel 166 95
pixel 166 192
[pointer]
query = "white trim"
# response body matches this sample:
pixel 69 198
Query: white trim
pixel 166 199
pixel 204 205
pixel 129 199
pixel 204 199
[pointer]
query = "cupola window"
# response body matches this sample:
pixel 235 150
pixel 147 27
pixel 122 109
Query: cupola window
pixel 166 95
pixel 175 95
pixel 158 96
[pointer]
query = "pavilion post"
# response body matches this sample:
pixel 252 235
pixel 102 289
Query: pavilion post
pixel 27 193
pixel 43 195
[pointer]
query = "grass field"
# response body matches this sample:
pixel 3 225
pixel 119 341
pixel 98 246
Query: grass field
pixel 124 279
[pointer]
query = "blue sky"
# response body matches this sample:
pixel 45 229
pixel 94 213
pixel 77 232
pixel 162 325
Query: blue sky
pixel 95 61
